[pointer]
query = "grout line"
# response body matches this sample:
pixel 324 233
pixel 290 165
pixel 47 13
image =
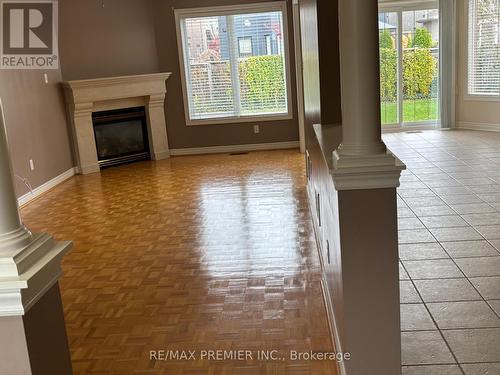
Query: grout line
pixel 436 325
pixel 448 278
pixel 444 301
pixel 449 329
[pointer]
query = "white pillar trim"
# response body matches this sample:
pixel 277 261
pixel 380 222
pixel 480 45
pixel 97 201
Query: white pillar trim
pixel 362 160
pixel 369 177
pixel 360 78
pixel 447 61
pixel 12 231
pixel 29 264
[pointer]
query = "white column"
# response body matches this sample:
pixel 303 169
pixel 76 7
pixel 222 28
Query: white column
pixel 29 263
pixel 12 232
pixel 30 302
pixel 360 79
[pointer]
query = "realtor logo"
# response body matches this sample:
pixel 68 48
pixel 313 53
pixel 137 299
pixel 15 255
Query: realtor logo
pixel 29 35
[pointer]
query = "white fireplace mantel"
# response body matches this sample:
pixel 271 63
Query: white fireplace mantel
pixel 84 97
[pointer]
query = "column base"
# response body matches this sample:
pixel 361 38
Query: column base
pixel 18 238
pixel 376 171
pixel 356 150
pixel 368 311
pixel 27 273
pixel 36 343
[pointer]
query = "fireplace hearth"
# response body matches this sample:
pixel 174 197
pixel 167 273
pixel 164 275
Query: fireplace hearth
pixel 121 136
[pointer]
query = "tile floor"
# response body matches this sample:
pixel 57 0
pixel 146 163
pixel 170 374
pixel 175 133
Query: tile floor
pixel 449 231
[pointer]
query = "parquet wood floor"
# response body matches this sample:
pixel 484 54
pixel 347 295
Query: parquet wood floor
pixel 191 253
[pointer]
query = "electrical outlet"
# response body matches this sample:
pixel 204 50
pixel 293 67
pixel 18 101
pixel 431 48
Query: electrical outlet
pixel 256 129
pixel 32 165
pixel 46 78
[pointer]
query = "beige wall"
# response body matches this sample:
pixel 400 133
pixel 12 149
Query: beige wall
pixel 117 39
pixel 182 136
pixel 36 125
pixel 123 37
pixel 474 112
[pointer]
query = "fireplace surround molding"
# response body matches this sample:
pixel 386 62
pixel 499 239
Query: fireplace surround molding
pixel 83 97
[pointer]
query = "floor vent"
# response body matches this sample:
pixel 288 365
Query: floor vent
pixel 414 132
pixel 238 153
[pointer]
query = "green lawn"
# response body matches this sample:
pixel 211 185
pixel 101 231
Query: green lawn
pixel 413 111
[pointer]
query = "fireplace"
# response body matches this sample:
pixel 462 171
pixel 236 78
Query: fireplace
pixel 121 136
pixel 90 96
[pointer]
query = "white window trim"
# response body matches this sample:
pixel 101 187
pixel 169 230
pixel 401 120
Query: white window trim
pixel 401 6
pixel 245 39
pixel 273 6
pixel 467 95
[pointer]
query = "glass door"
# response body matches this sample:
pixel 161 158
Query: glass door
pixel 409 66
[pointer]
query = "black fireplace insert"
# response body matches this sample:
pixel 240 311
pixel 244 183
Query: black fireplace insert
pixel 121 136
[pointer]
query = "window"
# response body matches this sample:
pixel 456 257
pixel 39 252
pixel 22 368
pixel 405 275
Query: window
pixel 484 58
pixel 409 65
pixel 209 36
pixel 230 71
pixel 245 46
pixel 269 46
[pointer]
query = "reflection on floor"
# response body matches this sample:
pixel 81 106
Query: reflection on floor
pixel 195 253
pixel 449 234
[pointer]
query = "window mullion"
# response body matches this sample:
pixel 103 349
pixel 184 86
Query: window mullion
pixel 400 83
pixel 187 67
pixel 497 49
pixel 234 61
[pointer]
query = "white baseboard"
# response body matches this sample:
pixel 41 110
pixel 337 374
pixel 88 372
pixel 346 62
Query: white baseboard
pixel 386 129
pixel 478 126
pixel 234 148
pixel 28 197
pixel 334 331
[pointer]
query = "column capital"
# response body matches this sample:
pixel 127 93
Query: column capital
pixel 157 100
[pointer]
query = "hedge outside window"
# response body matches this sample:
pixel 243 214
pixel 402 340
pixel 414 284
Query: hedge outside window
pixel 234 61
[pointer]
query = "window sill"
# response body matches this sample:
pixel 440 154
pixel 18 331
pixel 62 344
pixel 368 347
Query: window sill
pixel 238 120
pixel 482 98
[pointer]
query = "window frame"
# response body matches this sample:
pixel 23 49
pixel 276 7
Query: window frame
pixel 390 6
pixel 245 39
pixel 467 94
pixel 269 44
pixel 274 6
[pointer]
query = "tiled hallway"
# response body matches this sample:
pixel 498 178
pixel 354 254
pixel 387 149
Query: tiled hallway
pixel 449 234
